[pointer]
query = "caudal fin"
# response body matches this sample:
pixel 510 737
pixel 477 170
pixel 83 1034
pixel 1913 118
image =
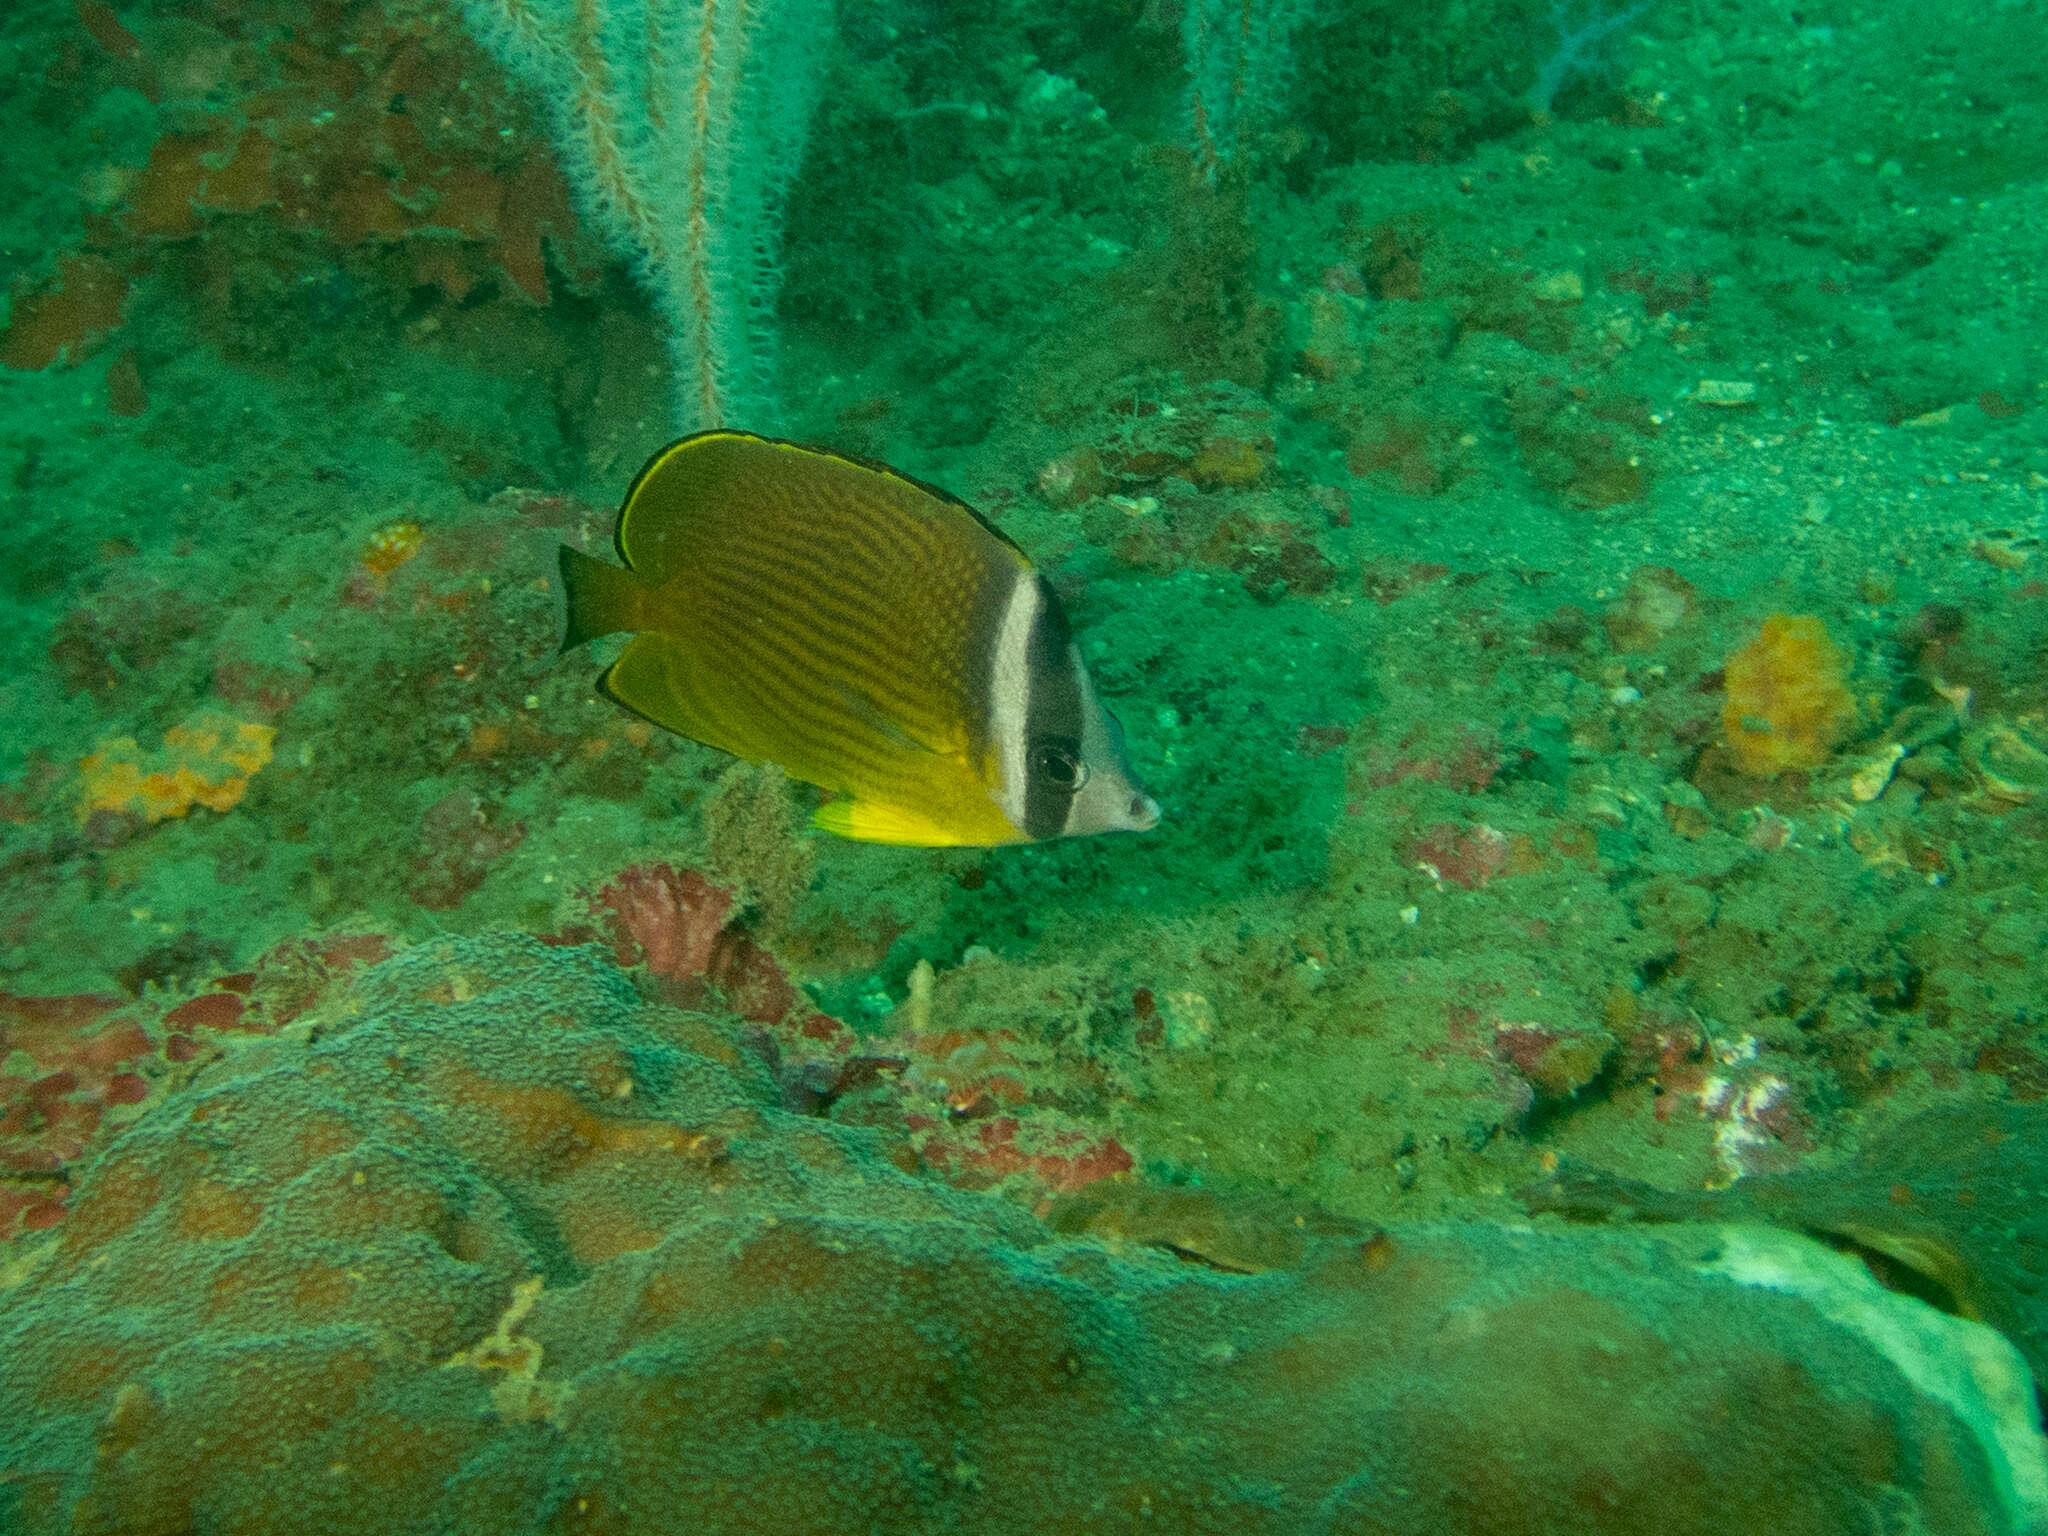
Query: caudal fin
pixel 602 599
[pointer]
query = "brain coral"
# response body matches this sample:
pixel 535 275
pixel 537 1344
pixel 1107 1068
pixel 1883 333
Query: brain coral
pixel 498 1247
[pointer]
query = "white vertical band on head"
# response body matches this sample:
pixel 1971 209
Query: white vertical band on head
pixel 1009 702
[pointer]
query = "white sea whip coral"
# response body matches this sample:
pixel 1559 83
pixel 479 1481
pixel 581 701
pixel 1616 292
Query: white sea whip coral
pixel 681 124
pixel 1240 63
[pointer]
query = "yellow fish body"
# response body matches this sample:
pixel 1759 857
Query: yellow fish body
pixel 866 632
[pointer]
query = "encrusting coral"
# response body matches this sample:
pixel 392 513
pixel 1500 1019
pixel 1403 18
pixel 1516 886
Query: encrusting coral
pixel 495 1245
pixel 207 760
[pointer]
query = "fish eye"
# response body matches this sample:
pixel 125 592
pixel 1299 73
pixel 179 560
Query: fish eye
pixel 1058 765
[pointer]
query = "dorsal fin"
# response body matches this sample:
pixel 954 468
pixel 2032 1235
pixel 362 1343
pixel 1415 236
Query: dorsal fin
pixel 697 483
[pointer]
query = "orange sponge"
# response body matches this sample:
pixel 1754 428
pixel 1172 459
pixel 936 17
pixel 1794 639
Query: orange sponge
pixel 1788 704
pixel 207 760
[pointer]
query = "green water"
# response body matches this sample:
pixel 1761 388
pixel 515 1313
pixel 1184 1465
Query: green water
pixel 1556 501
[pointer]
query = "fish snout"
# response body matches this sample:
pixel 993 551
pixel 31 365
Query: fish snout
pixel 1110 800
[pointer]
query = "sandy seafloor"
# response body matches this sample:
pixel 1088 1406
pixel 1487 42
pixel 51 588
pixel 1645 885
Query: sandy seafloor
pixel 1412 486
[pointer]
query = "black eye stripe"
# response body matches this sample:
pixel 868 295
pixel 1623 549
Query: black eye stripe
pixel 1054 714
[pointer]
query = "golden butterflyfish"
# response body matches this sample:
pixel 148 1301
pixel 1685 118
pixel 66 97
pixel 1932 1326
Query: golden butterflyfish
pixel 868 633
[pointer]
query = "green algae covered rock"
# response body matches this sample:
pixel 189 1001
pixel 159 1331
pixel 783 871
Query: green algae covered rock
pixel 497 1247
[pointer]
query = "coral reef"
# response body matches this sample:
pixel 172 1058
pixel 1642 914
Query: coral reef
pixel 66 319
pixel 74 1069
pixel 343 137
pixel 81 1059
pixel 497 1246
pixel 1941 1203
